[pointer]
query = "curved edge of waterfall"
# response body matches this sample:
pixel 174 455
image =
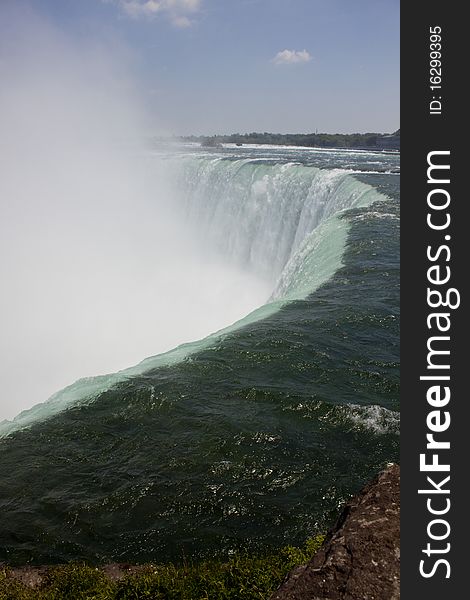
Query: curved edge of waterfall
pixel 317 246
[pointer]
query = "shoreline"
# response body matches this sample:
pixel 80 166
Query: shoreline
pixel 360 552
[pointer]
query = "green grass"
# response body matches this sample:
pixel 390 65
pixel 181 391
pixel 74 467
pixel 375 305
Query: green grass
pixel 243 577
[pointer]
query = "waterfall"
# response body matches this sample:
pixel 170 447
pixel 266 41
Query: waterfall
pixel 281 223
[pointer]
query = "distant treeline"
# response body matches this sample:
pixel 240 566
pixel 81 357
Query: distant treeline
pixel 328 140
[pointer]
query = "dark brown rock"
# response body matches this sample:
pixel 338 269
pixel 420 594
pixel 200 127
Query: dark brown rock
pixel 360 558
pixel 34 576
pixel 29 575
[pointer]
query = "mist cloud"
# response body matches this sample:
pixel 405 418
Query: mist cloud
pixel 98 268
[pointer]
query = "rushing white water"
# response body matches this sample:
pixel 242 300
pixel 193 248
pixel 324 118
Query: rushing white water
pixel 275 227
pixel 260 216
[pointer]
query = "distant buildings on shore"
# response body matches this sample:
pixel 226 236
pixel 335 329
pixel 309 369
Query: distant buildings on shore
pixel 360 141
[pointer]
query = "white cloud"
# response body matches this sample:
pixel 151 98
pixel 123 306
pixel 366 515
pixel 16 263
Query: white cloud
pixel 290 57
pixel 137 9
pixel 181 22
pixel 179 12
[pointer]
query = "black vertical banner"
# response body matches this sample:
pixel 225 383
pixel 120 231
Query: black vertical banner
pixel 435 439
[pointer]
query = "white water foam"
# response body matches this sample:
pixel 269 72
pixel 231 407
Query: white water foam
pixel 375 418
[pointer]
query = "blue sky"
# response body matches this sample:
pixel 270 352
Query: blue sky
pixel 221 66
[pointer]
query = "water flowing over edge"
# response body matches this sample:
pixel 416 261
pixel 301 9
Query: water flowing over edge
pixel 285 216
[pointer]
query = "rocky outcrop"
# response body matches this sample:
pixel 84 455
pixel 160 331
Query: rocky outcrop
pixel 360 558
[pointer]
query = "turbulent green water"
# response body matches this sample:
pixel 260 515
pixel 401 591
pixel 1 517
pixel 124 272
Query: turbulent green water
pixel 254 436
